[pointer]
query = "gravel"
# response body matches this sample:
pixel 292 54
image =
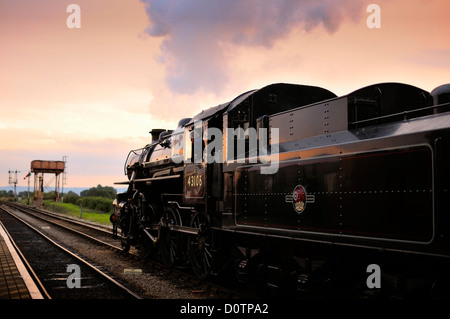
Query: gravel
pixel 133 272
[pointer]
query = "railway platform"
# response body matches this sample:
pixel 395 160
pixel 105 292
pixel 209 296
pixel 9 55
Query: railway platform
pixel 15 280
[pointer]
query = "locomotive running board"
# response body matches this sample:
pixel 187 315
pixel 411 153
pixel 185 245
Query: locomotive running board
pixel 177 228
pixel 184 229
pixel 159 178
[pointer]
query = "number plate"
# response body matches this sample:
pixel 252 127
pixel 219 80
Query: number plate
pixel 194 182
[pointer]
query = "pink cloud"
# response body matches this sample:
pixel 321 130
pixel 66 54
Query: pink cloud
pixel 196 34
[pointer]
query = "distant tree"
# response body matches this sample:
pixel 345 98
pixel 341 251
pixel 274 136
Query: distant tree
pixel 100 191
pixel 71 197
pixel 50 195
pixel 4 193
pixel 22 194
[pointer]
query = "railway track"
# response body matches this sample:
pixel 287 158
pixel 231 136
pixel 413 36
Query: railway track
pixel 96 233
pixel 98 244
pixel 62 273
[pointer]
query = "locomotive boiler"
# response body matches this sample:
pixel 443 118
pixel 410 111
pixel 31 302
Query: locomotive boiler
pixel 301 190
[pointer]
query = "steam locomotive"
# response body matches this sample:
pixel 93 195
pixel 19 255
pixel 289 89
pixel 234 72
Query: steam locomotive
pixel 301 190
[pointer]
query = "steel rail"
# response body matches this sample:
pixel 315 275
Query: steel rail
pixel 103 274
pixel 26 210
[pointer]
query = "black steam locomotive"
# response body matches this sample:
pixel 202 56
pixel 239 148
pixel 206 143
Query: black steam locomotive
pixel 302 190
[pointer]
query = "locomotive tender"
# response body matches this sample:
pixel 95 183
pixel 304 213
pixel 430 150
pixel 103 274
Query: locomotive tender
pixel 355 180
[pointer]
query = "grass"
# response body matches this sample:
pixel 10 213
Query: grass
pixel 74 211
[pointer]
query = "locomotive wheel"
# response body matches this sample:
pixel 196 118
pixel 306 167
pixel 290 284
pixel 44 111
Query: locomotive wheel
pixel 170 241
pixel 200 255
pixel 125 240
pixel 153 213
pixel 125 244
pixel 145 249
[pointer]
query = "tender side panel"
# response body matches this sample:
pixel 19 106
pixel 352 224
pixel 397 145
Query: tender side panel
pixel 386 194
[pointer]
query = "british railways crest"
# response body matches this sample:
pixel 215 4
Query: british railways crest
pixel 299 198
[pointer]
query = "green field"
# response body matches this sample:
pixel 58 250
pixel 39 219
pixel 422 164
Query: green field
pixel 74 211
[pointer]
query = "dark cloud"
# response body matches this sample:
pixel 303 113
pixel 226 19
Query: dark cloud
pixel 197 33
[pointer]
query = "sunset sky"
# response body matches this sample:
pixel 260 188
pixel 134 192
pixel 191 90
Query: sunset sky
pixel 93 93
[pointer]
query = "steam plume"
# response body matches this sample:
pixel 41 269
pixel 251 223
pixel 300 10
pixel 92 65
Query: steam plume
pixel 197 33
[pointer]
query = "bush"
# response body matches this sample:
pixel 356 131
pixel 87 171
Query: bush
pixel 71 198
pixel 100 204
